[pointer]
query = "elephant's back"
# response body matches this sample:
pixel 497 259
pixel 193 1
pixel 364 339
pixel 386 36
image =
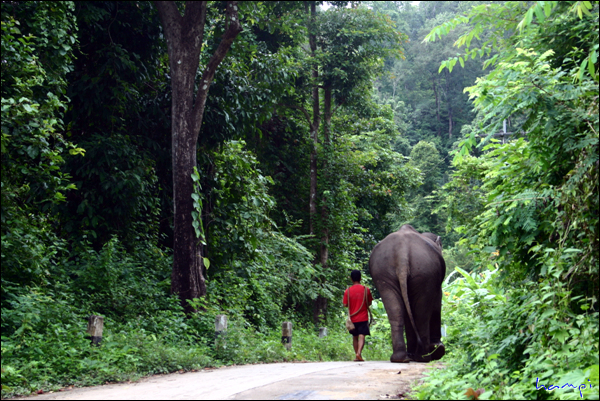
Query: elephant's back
pixel 386 253
pixel 407 243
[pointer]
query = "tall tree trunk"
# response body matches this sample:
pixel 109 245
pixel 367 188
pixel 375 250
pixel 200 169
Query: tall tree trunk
pixel 187 279
pixel 320 303
pixel 327 142
pixel 316 120
pixel 324 212
pixel 437 108
pixel 449 102
pixel 320 306
pixel 450 121
pixel 184 36
pixel 327 113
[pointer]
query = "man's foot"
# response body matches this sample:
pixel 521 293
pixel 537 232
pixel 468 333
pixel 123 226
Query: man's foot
pixel 359 359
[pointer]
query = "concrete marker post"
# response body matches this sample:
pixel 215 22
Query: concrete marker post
pixel 94 329
pixel 286 334
pixel 220 332
pixel 220 326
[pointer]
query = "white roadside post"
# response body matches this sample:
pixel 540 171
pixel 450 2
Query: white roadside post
pixel 95 327
pixel 286 334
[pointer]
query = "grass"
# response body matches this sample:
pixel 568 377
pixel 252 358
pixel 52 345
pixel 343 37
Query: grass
pixel 63 358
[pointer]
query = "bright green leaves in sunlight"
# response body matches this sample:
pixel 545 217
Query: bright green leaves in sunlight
pixel 37 40
pixel 33 101
pixel 535 223
pixel 494 20
pixel 503 338
pixel 197 213
pixel 351 49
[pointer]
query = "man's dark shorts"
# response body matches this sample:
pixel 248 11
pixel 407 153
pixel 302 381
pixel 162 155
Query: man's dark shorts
pixel 361 328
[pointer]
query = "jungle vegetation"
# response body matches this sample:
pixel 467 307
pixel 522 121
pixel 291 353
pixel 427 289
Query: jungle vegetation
pixel 162 164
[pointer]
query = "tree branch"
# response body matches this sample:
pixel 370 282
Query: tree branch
pixel 233 29
pixel 338 106
pixel 170 19
pixel 299 108
pixel 194 21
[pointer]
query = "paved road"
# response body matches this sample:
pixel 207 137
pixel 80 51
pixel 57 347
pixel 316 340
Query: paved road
pixel 374 380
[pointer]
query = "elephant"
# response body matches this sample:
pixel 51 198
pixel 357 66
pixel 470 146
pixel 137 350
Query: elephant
pixel 407 268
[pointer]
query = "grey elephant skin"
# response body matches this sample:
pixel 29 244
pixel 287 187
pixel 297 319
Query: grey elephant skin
pixel 408 269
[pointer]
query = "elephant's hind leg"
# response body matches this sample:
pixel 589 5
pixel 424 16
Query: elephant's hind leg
pixel 437 348
pixel 395 310
pixel 411 341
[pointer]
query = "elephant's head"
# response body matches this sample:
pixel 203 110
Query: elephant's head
pixel 434 238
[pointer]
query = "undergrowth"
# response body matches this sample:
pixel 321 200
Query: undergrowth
pixel 509 343
pixel 62 356
pixel 45 346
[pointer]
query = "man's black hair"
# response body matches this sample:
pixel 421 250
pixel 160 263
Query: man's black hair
pixel 355 275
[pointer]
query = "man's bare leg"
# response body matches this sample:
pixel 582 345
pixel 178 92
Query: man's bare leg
pixel 361 344
pixel 355 344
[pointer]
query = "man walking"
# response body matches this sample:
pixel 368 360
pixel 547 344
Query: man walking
pixel 358 300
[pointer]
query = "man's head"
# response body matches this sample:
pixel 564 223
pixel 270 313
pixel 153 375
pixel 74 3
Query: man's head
pixel 355 275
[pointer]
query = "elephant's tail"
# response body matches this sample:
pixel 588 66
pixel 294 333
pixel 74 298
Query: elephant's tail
pixel 404 272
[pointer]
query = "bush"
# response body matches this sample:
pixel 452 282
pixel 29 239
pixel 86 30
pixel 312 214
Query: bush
pixel 56 353
pixel 48 348
pixel 509 341
pixel 44 344
pixel 121 285
pixel 243 344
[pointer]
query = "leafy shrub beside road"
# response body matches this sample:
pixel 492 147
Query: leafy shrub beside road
pixel 44 344
pixel 503 340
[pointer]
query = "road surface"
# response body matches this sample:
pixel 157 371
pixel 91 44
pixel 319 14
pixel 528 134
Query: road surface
pixel 374 380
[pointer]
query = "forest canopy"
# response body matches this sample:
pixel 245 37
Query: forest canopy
pixel 252 177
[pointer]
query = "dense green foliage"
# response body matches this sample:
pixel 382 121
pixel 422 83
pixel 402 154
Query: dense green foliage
pixel 529 316
pixel 33 148
pixel 429 108
pixel 406 134
pixel 46 348
pixel 118 113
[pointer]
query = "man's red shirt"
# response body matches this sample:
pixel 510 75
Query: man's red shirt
pixel 357 294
